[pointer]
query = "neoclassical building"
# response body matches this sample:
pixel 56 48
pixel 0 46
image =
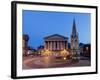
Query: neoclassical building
pixel 55 44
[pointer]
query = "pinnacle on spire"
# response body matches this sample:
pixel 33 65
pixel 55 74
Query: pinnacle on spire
pixel 74 32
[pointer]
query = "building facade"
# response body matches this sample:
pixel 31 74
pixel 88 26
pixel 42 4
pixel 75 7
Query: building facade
pixel 86 51
pixel 55 44
pixel 25 44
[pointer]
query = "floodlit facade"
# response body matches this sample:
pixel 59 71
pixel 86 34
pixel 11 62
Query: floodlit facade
pixel 56 44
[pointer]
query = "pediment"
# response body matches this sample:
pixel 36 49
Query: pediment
pixel 55 37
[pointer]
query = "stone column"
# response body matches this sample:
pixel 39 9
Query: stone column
pixel 51 45
pixel 54 45
pixel 57 45
pixel 45 45
pixel 48 45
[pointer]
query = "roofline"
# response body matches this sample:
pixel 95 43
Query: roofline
pixel 55 34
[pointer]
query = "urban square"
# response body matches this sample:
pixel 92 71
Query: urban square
pixel 55 50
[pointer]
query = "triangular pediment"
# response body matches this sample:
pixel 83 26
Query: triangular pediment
pixel 55 36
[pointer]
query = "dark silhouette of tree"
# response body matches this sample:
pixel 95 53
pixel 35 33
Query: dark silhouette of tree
pixel 25 37
pixel 40 47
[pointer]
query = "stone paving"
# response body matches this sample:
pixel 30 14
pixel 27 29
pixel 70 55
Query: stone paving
pixel 33 62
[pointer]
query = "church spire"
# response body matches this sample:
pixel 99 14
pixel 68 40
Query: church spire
pixel 74 40
pixel 74 32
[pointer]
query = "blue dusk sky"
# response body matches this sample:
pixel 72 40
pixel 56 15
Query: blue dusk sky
pixel 39 24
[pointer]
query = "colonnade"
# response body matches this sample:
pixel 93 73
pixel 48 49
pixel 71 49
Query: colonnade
pixel 56 45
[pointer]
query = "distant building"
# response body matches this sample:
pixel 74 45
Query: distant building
pixel 25 44
pixel 81 45
pixel 87 50
pixel 31 51
pixel 40 49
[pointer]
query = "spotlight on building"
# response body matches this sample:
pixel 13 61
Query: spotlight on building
pixel 47 52
pixel 64 52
